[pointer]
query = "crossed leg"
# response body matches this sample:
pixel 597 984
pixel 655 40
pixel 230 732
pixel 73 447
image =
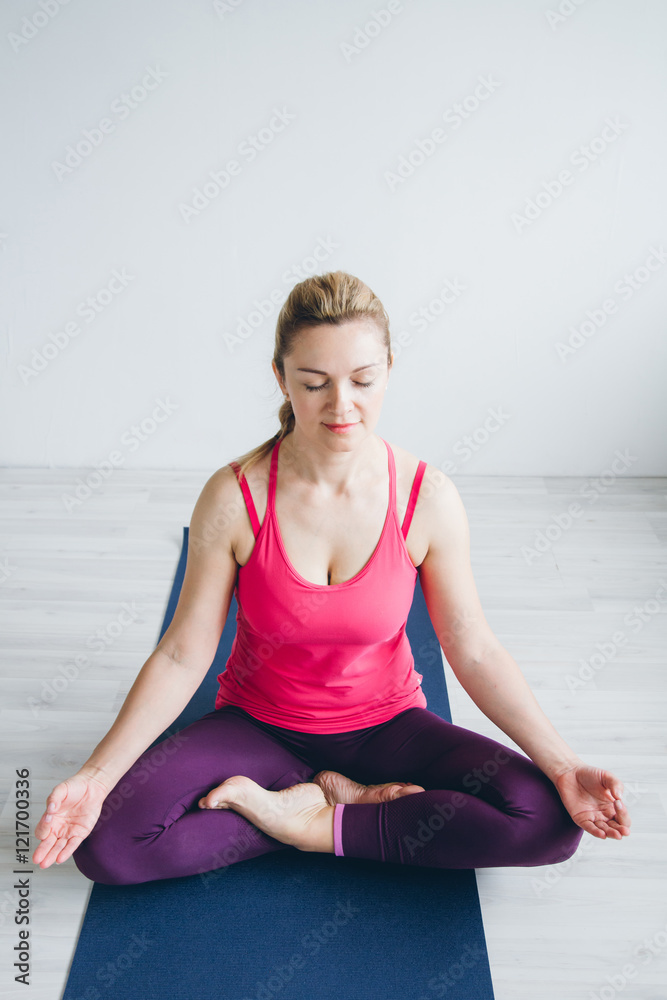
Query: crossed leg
pixel 482 804
pixel 475 803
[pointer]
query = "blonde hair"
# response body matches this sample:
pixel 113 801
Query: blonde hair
pixel 324 298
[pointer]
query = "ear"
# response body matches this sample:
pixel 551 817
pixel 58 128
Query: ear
pixel 277 374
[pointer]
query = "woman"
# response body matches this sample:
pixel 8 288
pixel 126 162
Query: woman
pixel 320 738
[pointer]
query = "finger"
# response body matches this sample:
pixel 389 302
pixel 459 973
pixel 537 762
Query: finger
pixel 611 828
pixel 622 812
pixel 71 847
pixel 46 859
pixel 56 798
pixel 591 828
pixel 45 823
pixel 43 828
pixel 55 850
pixel 613 784
pixel 622 828
pixel 42 849
pixel 620 819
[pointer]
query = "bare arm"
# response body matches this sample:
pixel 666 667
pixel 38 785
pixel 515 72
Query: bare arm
pixel 176 668
pixel 485 669
pixel 159 694
pixel 499 688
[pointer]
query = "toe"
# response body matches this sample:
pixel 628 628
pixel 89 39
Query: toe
pixel 409 789
pixel 225 793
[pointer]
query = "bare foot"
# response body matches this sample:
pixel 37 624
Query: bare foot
pixel 299 815
pixel 338 788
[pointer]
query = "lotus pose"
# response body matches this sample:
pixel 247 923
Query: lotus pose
pixel 320 738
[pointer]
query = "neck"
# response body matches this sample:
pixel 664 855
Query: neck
pixel 318 465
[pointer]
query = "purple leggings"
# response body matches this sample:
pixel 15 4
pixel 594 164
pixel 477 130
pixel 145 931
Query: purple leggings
pixel 484 805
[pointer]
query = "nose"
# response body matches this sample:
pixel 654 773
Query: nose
pixel 340 403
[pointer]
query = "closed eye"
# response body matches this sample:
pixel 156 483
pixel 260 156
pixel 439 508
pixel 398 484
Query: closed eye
pixel 315 388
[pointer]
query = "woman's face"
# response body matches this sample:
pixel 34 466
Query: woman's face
pixel 336 378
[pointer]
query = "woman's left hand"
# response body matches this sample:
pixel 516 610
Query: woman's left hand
pixel 593 799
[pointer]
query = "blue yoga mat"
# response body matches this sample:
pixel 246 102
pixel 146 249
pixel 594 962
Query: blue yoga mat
pixel 289 925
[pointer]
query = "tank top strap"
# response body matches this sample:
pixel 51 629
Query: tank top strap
pixel 249 502
pixel 412 502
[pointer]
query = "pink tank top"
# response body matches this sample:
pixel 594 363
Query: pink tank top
pixel 321 658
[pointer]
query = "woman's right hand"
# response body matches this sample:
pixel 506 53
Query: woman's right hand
pixel 72 810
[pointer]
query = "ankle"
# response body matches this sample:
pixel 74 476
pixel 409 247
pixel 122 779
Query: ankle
pixel 319 836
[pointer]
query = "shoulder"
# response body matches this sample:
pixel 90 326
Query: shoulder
pixel 219 509
pixel 439 510
pixel 435 485
pixel 406 463
pixel 224 504
pixel 442 512
pixel 224 483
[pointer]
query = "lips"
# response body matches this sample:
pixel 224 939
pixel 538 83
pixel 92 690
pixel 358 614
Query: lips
pixel 340 428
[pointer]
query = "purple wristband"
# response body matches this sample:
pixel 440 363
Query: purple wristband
pixel 338 829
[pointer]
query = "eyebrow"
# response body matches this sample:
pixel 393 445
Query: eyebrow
pixel 317 371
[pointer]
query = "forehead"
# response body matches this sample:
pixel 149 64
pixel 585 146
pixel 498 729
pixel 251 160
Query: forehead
pixel 338 338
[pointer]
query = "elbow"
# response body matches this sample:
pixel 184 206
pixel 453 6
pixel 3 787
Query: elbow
pixel 470 656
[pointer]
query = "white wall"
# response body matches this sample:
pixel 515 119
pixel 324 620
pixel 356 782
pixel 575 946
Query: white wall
pixel 553 82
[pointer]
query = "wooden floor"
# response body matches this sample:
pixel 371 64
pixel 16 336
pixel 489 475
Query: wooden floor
pixel 594 926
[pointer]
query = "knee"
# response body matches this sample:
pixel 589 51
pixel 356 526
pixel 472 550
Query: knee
pixel 565 845
pixel 109 853
pixel 102 862
pixel 549 834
